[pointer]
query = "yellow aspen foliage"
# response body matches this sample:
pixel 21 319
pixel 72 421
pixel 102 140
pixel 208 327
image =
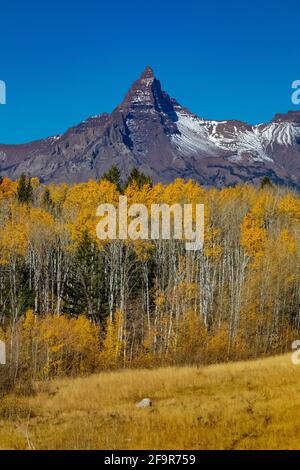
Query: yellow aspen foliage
pixel 136 195
pixel 58 193
pixel 253 236
pixel 80 205
pixel 25 225
pixel 85 221
pixel 14 235
pixel 143 249
pixel 29 321
pixel 7 189
pixel 160 299
pixel 189 343
pixel 186 294
pixel 290 205
pixel 88 196
pixel 245 194
pixel 112 342
pixel 288 242
pixel 41 226
pixel 218 345
pixel 146 356
pixel 156 194
pixel 29 344
pixel 264 205
pixel 35 182
pixel 212 242
pixel 72 344
pixel 58 345
pixel 175 193
pixel 183 192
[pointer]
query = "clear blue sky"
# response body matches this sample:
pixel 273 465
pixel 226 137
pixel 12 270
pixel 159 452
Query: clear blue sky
pixel 63 60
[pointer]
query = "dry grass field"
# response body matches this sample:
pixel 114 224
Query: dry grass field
pixel 246 405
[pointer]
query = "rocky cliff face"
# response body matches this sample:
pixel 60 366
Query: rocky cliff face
pixel 151 131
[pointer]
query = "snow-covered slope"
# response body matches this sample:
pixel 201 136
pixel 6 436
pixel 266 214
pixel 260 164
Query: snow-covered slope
pixel 240 140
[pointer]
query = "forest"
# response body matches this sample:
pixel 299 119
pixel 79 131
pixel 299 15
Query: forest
pixel 73 304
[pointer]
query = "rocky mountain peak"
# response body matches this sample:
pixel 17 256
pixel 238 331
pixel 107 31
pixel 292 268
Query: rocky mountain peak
pixel 147 74
pixel 141 92
pixel 146 97
pixel 151 131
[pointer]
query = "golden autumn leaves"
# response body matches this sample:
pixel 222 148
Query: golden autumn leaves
pixel 73 213
pixel 239 297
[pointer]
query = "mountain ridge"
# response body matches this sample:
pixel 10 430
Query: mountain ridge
pixel 153 132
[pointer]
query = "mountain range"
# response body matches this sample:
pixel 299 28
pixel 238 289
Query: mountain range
pixel 151 131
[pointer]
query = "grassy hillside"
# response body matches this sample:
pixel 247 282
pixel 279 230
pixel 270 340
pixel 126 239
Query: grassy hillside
pixel 247 405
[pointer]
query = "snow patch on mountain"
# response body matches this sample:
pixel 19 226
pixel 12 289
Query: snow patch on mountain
pixel 197 135
pixel 193 136
pixel 282 133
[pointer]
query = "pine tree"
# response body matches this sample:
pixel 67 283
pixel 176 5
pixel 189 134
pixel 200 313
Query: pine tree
pixel 113 175
pixel 139 178
pixel 85 291
pixel 47 202
pixel 24 190
pixel 265 182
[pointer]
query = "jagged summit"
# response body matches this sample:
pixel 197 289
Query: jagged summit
pixel 142 92
pixel 148 73
pixel 152 131
pixel 147 96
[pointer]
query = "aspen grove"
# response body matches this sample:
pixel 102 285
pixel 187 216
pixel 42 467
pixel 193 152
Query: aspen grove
pixel 71 303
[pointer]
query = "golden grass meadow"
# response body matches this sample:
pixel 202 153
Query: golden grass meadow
pixel 243 405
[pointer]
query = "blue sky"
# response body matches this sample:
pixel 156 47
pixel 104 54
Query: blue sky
pixel 63 61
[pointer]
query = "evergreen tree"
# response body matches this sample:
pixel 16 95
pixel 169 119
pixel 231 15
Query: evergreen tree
pixel 265 182
pixel 85 291
pixel 114 176
pixel 47 200
pixel 138 177
pixel 24 190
